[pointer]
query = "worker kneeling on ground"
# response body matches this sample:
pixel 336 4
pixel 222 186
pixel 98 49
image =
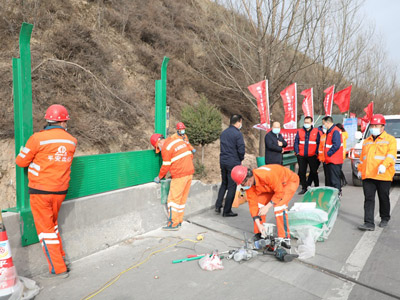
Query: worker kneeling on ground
pixel 178 160
pixel 181 134
pixel 268 186
pixel 48 155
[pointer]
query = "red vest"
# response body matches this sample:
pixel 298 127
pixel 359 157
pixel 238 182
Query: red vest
pixel 312 142
pixel 337 157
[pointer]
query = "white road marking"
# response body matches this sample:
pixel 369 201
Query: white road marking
pixel 359 256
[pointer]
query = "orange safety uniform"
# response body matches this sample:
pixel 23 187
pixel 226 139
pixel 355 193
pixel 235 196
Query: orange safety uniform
pixel 277 184
pixel 382 151
pixel 321 155
pixel 48 155
pixel 178 160
pixel 184 138
pixel 345 136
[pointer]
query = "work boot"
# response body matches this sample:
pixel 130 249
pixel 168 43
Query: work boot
pixel 67 263
pixel 302 192
pixel 218 210
pixel 383 223
pixel 52 276
pixel 170 227
pixel 229 214
pixel 366 227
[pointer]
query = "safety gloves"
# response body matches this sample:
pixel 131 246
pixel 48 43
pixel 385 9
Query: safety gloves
pixel 157 179
pixel 381 169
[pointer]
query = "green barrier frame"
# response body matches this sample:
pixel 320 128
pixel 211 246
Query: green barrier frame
pixel 91 174
pixel 289 159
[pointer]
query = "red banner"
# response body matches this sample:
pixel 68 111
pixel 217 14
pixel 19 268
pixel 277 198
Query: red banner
pixel 328 101
pixel 342 99
pixel 369 111
pixel 289 97
pixel 288 135
pixel 260 91
pixel 308 104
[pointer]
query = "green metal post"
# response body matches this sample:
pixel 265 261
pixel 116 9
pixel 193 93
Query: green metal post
pixel 161 100
pixel 23 129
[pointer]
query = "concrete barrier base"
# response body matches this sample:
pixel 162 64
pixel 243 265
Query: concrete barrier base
pixel 90 224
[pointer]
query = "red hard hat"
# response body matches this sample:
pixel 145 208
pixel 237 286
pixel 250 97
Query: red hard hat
pixel 56 112
pixel 180 126
pixel 378 119
pixel 239 174
pixel 154 139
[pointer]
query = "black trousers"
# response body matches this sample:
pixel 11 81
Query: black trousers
pixel 227 184
pixel 326 174
pixel 314 178
pixel 303 162
pixel 334 172
pixel 370 187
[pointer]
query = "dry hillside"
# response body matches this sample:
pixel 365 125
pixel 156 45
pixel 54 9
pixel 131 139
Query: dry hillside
pixel 100 59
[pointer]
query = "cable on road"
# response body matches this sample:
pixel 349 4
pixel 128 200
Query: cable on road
pixel 116 278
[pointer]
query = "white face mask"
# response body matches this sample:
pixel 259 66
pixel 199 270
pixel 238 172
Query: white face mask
pixel 182 132
pixel 240 126
pixel 375 131
pixel 306 126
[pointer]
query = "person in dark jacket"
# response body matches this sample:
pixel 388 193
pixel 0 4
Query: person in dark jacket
pixel 232 153
pixel 274 144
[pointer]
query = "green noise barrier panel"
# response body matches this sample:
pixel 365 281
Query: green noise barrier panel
pixel 93 174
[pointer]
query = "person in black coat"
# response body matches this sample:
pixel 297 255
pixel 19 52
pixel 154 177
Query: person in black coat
pixel 274 144
pixel 232 153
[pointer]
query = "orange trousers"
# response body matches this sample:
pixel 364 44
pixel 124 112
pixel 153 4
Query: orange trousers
pixel 45 210
pixel 178 193
pixel 280 209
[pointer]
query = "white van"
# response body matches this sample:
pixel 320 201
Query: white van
pixel 393 128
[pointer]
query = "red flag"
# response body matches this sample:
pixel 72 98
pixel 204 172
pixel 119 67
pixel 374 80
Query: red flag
pixel 289 97
pixel 352 115
pixel 260 91
pixel 342 99
pixel 328 101
pixel 369 111
pixel 308 104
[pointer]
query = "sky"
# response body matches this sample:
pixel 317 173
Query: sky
pixel 386 16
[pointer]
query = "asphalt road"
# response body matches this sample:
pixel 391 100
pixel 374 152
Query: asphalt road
pixel 351 264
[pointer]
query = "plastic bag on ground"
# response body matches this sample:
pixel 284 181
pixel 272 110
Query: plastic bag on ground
pixel 211 262
pixel 307 236
pixel 25 289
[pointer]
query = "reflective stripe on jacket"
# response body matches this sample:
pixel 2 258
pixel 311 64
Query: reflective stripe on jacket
pixel 48 155
pixel 184 138
pixel 307 142
pixel 337 144
pixel 382 151
pixel 177 158
pixel 269 179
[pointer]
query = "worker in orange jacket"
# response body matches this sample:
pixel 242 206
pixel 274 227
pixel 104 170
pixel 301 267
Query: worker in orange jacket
pixel 376 169
pixel 268 186
pixel 48 155
pixel 181 134
pixel 178 160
